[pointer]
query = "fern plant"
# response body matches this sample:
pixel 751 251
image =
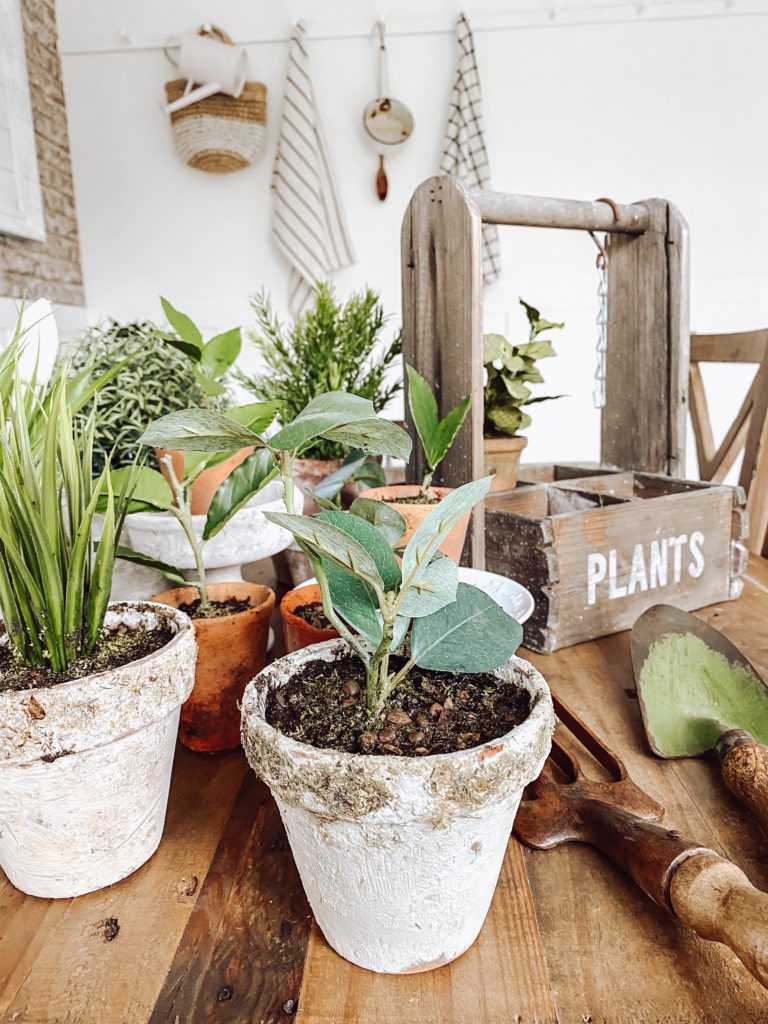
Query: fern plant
pixel 332 347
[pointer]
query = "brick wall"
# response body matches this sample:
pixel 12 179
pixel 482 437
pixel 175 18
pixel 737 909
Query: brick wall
pixel 50 268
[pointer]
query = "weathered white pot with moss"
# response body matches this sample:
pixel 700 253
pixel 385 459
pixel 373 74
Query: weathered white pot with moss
pixel 399 856
pixel 85 766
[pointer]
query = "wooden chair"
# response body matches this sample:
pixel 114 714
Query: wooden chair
pixel 749 430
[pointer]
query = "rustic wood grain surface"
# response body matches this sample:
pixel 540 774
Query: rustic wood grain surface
pixel 216 928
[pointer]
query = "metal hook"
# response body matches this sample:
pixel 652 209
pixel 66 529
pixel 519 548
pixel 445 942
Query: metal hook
pixel 601 259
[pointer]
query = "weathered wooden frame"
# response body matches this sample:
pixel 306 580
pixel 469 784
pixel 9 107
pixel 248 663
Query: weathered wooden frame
pixel 644 420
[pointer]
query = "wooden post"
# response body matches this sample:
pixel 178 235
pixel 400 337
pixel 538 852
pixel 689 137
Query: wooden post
pixel 443 324
pixel 644 420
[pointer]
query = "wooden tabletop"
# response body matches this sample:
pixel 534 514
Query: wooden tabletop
pixel 215 928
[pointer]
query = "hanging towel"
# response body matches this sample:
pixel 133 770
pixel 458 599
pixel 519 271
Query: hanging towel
pixel 308 221
pixel 464 153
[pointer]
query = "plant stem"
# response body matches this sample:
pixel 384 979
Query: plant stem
pixel 378 668
pixel 181 509
pixel 285 462
pixel 426 482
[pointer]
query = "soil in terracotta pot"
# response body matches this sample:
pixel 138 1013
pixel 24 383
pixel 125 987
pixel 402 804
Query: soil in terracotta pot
pixel 415 499
pixel 216 609
pixel 428 713
pixel 313 614
pixel 115 648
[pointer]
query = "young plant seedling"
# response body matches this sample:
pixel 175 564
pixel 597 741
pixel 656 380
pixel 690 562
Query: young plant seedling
pixel 357 468
pixel 212 358
pixel 334 416
pixel 436 435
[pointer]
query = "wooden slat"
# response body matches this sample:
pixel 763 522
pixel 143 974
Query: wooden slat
pixel 499 980
pixel 738 347
pixel 568 214
pixel 76 976
pixel 242 952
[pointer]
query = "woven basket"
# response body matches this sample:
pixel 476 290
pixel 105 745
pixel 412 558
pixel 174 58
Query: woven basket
pixel 220 133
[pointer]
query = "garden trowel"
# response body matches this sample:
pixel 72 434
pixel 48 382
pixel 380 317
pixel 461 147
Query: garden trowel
pixel 698 693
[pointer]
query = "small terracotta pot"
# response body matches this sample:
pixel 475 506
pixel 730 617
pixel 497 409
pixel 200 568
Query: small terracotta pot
pixel 415 514
pixel 502 459
pixel 209 481
pixel 298 633
pixel 231 651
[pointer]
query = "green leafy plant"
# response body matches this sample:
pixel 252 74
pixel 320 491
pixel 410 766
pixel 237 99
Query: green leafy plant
pixel 378 604
pixel 333 347
pixel 55 580
pixel 138 378
pixel 356 468
pixel 213 359
pixel 509 370
pixel 436 435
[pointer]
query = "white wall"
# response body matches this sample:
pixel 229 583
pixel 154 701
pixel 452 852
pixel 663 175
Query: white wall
pixel 629 106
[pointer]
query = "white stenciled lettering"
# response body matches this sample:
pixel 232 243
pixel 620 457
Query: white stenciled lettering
pixel 613 590
pixel 676 543
pixel 637 576
pixel 597 566
pixel 696 568
pixel 653 565
pixel 658 563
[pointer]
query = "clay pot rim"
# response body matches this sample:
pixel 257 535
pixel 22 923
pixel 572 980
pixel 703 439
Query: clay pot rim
pixel 267 602
pixel 179 621
pixel 391 492
pixel 254 720
pixel 286 613
pixel 515 443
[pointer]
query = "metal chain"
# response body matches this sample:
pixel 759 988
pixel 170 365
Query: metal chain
pixel 598 392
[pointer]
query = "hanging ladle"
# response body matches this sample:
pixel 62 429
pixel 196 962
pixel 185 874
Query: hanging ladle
pixel 388 121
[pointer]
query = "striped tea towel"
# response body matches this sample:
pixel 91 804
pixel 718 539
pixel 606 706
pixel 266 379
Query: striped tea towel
pixel 308 222
pixel 464 153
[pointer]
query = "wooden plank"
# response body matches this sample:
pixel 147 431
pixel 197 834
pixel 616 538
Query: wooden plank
pixel 71 975
pixel 443 325
pixel 737 347
pixel 568 214
pixel 754 467
pixel 242 951
pixel 501 979
pixel 643 422
pixel 613 957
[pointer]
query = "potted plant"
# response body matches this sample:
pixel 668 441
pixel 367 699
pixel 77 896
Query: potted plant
pixel 211 362
pixel 333 346
pixel 210 720
pixel 89 694
pixel 509 369
pixel 398 754
pixel 414 502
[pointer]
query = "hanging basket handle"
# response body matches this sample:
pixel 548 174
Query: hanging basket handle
pixel 206 29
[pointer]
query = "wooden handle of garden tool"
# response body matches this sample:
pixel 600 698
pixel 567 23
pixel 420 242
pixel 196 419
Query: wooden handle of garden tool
pixel 744 766
pixel 718 901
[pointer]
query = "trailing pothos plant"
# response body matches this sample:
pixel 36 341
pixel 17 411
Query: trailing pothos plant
pixel 436 435
pixel 380 606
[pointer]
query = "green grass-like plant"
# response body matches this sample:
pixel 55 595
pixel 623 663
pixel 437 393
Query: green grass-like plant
pixel 55 580
pixel 334 346
pixel 436 435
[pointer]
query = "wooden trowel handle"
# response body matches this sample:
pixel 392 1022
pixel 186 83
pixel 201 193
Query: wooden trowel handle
pixel 718 901
pixel 744 766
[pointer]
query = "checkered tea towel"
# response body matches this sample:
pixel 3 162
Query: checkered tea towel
pixel 308 221
pixel 464 153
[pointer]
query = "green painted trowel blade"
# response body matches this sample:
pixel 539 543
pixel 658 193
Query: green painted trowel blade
pixel 693 684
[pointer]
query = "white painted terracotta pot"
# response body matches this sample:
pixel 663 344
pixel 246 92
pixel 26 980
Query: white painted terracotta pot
pixel 85 766
pixel 399 856
pixel 247 537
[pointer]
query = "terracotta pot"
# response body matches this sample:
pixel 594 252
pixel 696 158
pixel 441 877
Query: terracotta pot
pixel 298 633
pixel 231 650
pixel 399 856
pixel 502 459
pixel 414 514
pixel 209 481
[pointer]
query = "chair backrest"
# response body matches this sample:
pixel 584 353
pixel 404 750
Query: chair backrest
pixel 749 430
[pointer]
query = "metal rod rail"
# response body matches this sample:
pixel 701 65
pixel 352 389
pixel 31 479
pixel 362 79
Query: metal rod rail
pixel 571 214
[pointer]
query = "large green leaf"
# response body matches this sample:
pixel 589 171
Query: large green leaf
pixel 245 481
pixel 221 352
pixel 328 541
pixel 435 588
pixel 541 349
pixel 257 416
pixel 184 327
pixel 449 426
pixel 428 537
pixel 151 491
pixel 387 520
pixel 330 485
pixel 423 406
pixel 370 539
pixel 329 410
pixel 198 430
pixel 355 601
pixel 474 634
pixel 375 436
pixel 371 474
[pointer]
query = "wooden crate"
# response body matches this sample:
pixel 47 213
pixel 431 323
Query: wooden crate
pixel 597 545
